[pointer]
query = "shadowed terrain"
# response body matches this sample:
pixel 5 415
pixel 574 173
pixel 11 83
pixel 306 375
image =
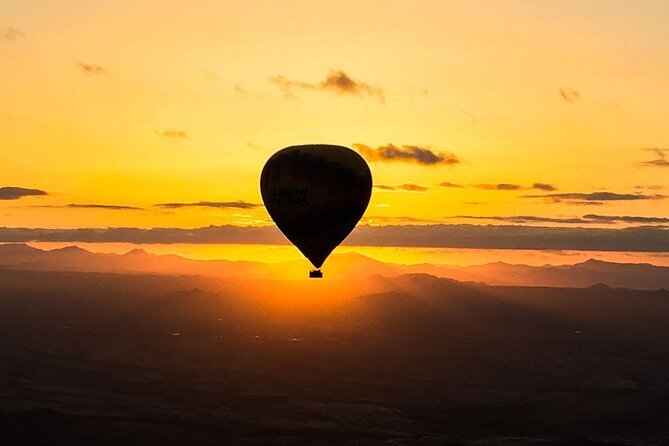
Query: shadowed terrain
pixel 414 359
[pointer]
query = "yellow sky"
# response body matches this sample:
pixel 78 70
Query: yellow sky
pixel 88 90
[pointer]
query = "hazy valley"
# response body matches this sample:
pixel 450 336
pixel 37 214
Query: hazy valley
pixel 411 359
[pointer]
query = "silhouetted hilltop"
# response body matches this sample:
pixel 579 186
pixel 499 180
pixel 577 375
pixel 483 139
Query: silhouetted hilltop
pixel 339 267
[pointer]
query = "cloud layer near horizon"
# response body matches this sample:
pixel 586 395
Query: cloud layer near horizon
pixel 640 238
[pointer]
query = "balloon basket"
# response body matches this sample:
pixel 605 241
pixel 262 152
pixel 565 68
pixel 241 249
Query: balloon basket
pixel 315 274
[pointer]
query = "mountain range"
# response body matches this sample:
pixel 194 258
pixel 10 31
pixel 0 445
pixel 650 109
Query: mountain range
pixel 349 266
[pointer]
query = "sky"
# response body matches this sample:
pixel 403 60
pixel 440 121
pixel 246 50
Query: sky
pixel 151 114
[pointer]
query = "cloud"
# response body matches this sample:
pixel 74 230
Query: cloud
pixel 449 184
pixel 500 186
pixel 625 219
pixel 12 34
pixel 409 154
pixel 171 133
pixel 408 187
pixel 91 70
pixel 395 220
pixel 660 161
pixel 569 94
pixel 336 81
pixel 594 198
pixel 14 193
pixel 211 204
pixel 518 219
pixel 638 238
pixel 544 186
pixel 342 83
pixel 287 86
pixel 239 89
pixel 585 219
pixel 111 207
pixel 503 186
pixel 507 186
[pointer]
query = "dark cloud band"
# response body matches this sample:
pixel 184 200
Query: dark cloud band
pixel 588 219
pixel 640 238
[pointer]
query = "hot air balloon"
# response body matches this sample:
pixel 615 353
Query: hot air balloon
pixel 316 194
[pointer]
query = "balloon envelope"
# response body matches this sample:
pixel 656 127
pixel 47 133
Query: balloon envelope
pixel 316 194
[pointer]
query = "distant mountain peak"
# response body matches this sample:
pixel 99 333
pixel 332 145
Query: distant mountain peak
pixel 137 252
pixel 594 262
pixel 72 249
pixel 18 248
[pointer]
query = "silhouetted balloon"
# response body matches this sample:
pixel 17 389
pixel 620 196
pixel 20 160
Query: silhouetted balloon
pixel 316 194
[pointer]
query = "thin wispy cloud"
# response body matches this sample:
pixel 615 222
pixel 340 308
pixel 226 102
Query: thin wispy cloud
pixel 594 198
pixel 521 219
pixel 14 193
pixel 241 90
pixel 172 133
pixel 407 187
pixel 211 204
pixel 408 154
pixel 569 94
pixel 469 115
pixel 11 34
pixel 660 160
pixel 336 81
pixel 504 186
pixel 91 70
pixel 451 185
pixel 109 207
pixel 500 186
pixel 372 220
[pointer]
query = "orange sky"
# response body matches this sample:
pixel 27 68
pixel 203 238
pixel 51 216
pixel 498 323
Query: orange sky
pixel 136 103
